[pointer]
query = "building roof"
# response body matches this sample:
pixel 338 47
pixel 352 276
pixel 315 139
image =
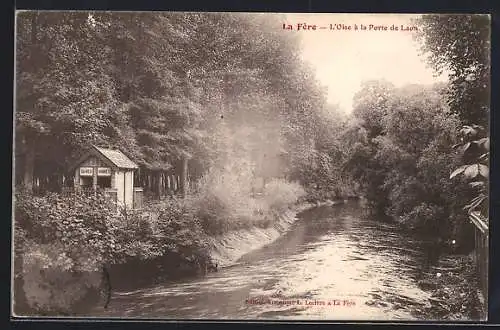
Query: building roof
pixel 118 158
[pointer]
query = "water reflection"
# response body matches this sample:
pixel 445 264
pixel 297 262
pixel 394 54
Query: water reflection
pixel 365 269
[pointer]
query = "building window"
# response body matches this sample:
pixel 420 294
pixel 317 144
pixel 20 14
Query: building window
pixel 104 181
pixel 86 182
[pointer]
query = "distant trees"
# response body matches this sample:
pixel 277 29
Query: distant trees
pixel 401 142
pixel 401 154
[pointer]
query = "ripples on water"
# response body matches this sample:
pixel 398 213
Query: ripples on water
pixel 330 254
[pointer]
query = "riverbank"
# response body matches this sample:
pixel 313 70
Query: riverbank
pixel 454 289
pixel 165 242
pixel 227 248
pixel 220 250
pixel 329 253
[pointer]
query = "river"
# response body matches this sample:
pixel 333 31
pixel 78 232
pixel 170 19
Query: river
pixel 335 263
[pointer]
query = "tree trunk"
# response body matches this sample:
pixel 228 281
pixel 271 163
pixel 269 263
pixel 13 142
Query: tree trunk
pixel 158 184
pixel 184 174
pixel 107 284
pixel 29 165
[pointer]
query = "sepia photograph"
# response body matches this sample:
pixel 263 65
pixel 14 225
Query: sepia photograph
pixel 251 166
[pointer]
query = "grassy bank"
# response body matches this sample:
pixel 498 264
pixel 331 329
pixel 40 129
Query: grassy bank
pixel 227 248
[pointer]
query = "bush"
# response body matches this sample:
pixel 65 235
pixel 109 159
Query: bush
pixel 170 244
pixel 224 201
pixel 213 211
pixel 136 235
pixel 180 231
pixel 64 242
pixel 429 219
pixel 280 195
pixel 83 225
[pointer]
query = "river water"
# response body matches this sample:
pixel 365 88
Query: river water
pixel 335 263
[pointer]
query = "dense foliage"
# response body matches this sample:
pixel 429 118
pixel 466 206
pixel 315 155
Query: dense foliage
pixel 421 152
pixel 474 147
pixel 402 155
pixel 226 91
pixel 162 88
pixel 460 45
pixel 223 204
pixel 64 242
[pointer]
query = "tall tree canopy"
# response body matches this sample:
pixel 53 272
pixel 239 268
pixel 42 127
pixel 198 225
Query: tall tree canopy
pixel 460 46
pixel 159 86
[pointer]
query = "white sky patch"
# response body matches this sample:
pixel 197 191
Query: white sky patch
pixel 343 59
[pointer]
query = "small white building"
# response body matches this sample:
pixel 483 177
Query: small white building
pixel 111 171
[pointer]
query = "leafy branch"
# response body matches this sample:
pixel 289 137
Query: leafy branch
pixel 475 150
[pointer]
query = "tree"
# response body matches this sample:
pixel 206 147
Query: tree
pixel 370 105
pixel 370 108
pixel 156 86
pixel 64 94
pixel 460 46
pixel 400 151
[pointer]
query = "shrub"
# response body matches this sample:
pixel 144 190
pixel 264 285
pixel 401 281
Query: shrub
pixel 280 194
pixel 224 201
pixel 63 242
pixel 82 225
pixel 213 211
pixel 136 236
pixel 170 243
pixel 179 230
pixel 429 219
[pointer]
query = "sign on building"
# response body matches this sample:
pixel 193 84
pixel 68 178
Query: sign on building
pixel 86 171
pixel 104 171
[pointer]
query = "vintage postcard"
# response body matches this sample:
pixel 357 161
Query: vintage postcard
pixel 251 166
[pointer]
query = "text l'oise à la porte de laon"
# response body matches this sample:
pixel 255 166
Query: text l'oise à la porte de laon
pixel 348 27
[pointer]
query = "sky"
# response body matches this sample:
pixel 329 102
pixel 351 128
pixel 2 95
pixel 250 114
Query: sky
pixel 343 59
